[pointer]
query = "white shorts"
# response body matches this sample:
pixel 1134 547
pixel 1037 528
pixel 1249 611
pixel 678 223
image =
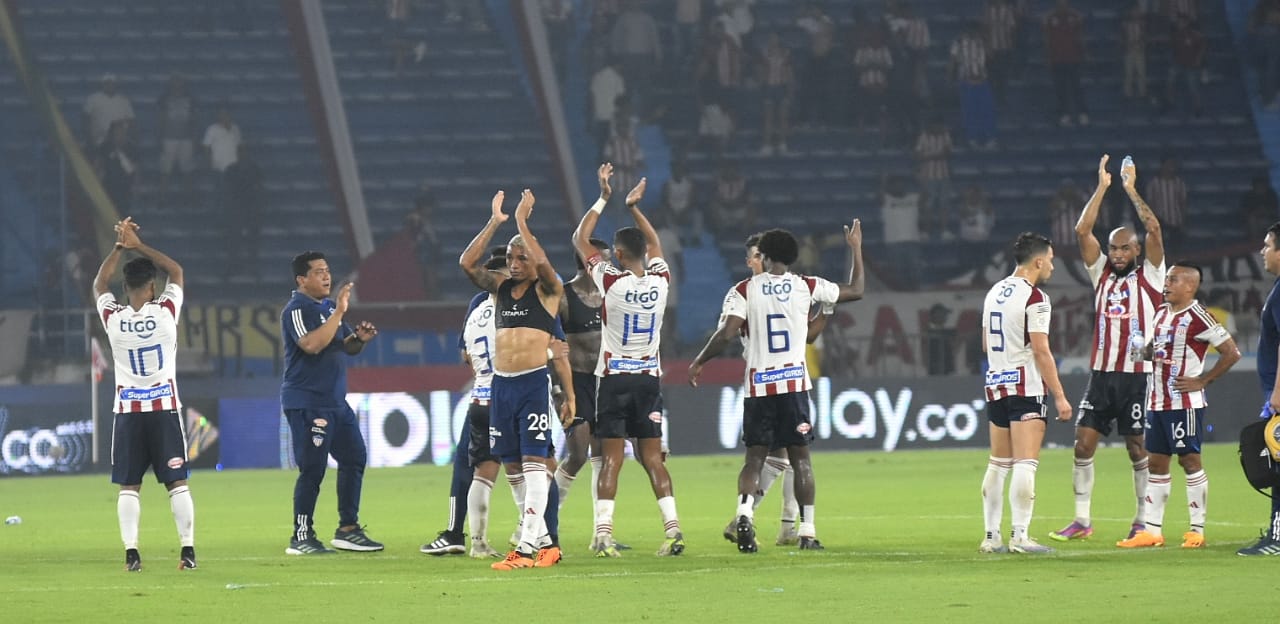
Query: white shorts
pixel 176 152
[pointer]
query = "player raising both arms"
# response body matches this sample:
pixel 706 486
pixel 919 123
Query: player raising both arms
pixel 147 430
pixel 1015 335
pixel 775 304
pixel 1126 294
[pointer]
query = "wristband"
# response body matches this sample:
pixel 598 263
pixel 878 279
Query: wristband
pixel 598 207
pixel 551 355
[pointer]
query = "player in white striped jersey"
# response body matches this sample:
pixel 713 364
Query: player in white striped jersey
pixel 1020 371
pixel 628 396
pixel 775 304
pixel 1183 333
pixel 1126 294
pixel 147 430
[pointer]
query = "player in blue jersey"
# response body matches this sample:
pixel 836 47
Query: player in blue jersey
pixel 1268 356
pixel 314 398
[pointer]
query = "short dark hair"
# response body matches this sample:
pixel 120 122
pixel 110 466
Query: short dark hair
pixel 496 262
pixel 1029 245
pixel 630 240
pixel 1274 231
pixel 302 262
pixel 138 273
pixel 752 241
pixel 498 251
pixel 779 245
pixel 595 242
pixel 1192 266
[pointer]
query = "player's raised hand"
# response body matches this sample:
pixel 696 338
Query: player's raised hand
pixel 344 298
pixel 602 176
pixel 1104 176
pixel 525 208
pixel 127 234
pixel 853 234
pixel 1128 173
pixel 496 206
pixel 365 331
pixel 637 193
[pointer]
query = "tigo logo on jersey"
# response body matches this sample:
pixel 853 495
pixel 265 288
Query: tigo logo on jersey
pixel 485 317
pixel 782 291
pixel 144 327
pixel 647 300
pixel 782 374
pixel 1000 378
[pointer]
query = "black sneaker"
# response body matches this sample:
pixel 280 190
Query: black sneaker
pixel 309 546
pixel 132 560
pixel 810 543
pixel 446 543
pixel 1265 546
pixel 354 539
pixel 187 561
pixel 746 535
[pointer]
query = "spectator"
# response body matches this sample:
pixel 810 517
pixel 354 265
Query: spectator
pixel 912 32
pixel 1000 22
pixel 624 152
pixel 426 240
pixel 607 85
pixel 1167 196
pixel 104 108
pixel 969 68
pixel 977 219
pixel 177 134
pixel 737 18
pixel 900 215
pixel 821 70
pixel 733 214
pixel 222 141
pixel 933 166
pixel 715 128
pixel 720 72
pixel 678 195
pixel 672 252
pixel 1133 33
pixel 1265 28
pixel 1259 205
pixel 118 166
pixel 1064 38
pixel 246 203
pixel 635 43
pixel 557 18
pixel 778 84
pixel 1064 210
pixel 684 35
pixel 1188 49
pixel 872 62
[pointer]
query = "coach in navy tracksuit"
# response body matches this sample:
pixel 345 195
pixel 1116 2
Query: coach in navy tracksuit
pixel 314 398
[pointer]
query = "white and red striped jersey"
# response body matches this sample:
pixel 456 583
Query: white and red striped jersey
pixel 631 317
pixel 970 57
pixel 479 336
pixel 1001 23
pixel 1013 310
pixel 776 308
pixel 873 65
pixel 933 155
pixel 1168 199
pixel 1182 339
pixel 1123 308
pixel 144 345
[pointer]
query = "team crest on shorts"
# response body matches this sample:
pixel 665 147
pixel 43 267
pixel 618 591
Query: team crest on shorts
pixel 656 417
pixel 803 428
pixel 317 440
pixel 176 463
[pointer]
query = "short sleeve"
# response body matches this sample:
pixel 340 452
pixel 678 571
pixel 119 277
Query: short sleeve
pixel 659 267
pixel 107 306
pixel 301 321
pixel 1038 313
pixel 603 273
pixel 1154 274
pixel 823 291
pixel 1214 333
pixel 1095 270
pixel 471 307
pixel 171 299
pixel 734 305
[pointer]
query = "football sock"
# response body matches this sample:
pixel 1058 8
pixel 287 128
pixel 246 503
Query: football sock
pixel 1141 475
pixel 564 481
pixel 516 481
pixel 184 514
pixel 597 464
pixel 1157 496
pixel 478 508
pixel 1082 484
pixel 790 508
pixel 604 517
pixel 459 483
pixel 1022 495
pixel 552 513
pixel 129 510
pixel 536 488
pixel 1197 499
pixel 773 468
pixel 746 506
pixel 670 522
pixel 993 494
pixel 806 526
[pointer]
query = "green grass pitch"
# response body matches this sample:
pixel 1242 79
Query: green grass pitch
pixel 901 532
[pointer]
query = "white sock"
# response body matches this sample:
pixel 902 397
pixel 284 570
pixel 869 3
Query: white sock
pixel 1082 483
pixel 790 508
pixel 806 525
pixel 1157 495
pixel 564 481
pixel 773 468
pixel 536 487
pixel 129 510
pixel 184 514
pixel 1022 496
pixel 478 508
pixel 1140 476
pixel 670 522
pixel 1197 499
pixel 604 516
pixel 993 495
pixel 597 464
pixel 516 481
pixel 746 506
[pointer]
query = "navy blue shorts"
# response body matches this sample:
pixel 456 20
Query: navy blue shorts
pixel 1001 412
pixel 520 416
pixel 1174 432
pixel 154 439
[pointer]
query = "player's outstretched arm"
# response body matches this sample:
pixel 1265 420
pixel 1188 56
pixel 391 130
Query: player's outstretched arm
pixel 719 341
pixel 582 235
pixel 563 379
pixel 1155 239
pixel 818 323
pixel 470 259
pixel 102 281
pixel 1048 367
pixel 857 276
pixel 1090 249
pixel 642 222
pixel 1228 355
pixel 548 281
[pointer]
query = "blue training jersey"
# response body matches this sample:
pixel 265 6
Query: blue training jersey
pixel 311 381
pixel 1269 339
